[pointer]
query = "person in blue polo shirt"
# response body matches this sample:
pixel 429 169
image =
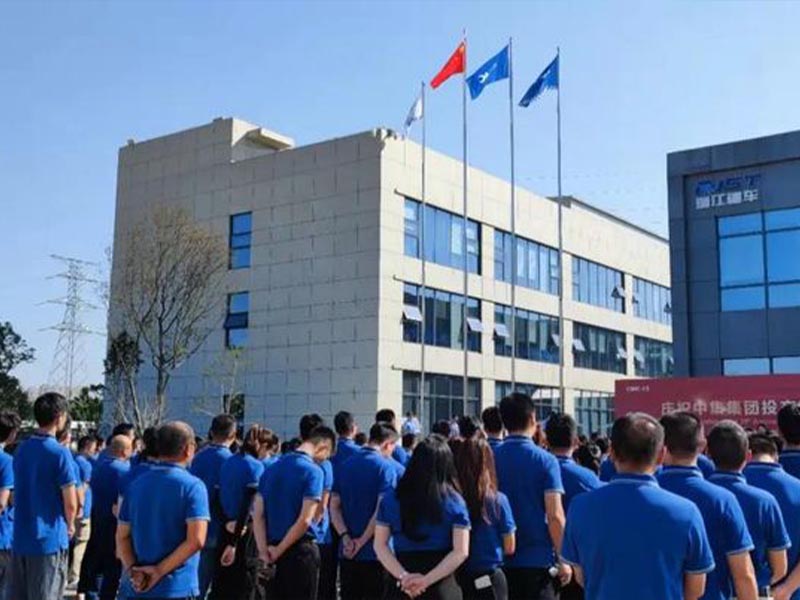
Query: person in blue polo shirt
pixel 493 426
pixel 101 570
pixel 422 529
pixel 387 415
pixel 147 458
pixel 764 472
pixel 531 479
pixel 45 505
pixel 789 428
pixel 492 536
pixel 632 539
pixel 163 522
pixel 726 527
pixel 345 425
pixel 729 449
pixel 83 524
pixel 9 426
pixel 207 465
pixel 358 487
pixel 290 494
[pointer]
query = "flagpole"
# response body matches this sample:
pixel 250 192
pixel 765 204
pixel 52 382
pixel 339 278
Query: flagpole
pixel 422 254
pixel 514 257
pixel 465 332
pixel 561 332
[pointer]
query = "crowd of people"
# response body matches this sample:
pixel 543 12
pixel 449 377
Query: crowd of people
pixel 494 507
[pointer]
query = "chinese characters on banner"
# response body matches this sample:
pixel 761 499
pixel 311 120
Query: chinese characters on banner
pixel 750 400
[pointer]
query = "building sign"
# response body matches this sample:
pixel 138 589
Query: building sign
pixel 711 193
pixel 748 400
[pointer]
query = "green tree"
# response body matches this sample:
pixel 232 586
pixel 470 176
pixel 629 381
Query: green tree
pixel 13 352
pixel 88 404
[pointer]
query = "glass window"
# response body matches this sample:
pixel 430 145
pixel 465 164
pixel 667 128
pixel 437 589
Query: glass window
pixel 240 238
pixel 787 294
pixel 237 320
pixel 546 399
pixel 783 255
pixel 594 411
pixel 782 219
pixel 537 265
pixel 412 228
pixel 444 397
pixel 595 284
pixel 533 334
pixel 605 350
pixel 743 298
pixel 745 366
pixel 782 365
pixel 443 237
pixel 741 260
pixel 443 318
pixel 750 223
pixel 652 358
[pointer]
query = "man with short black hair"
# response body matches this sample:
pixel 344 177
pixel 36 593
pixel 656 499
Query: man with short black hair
pixel 387 415
pixel 9 426
pixel 163 522
pixel 764 472
pixel 536 503
pixel 493 426
pixel 789 428
pixel 346 429
pixel 631 539
pixel 286 507
pixel 729 449
pixel 206 466
pixel 726 527
pixel 45 505
pixel 83 527
pixel 345 425
pixel 364 480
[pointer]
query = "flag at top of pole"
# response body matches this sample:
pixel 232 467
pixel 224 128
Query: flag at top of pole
pixel 494 69
pixel 547 80
pixel 455 64
pixel 415 113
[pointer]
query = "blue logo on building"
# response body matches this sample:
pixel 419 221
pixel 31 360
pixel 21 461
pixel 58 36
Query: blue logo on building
pixel 711 193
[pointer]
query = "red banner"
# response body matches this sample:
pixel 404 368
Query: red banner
pixel 749 400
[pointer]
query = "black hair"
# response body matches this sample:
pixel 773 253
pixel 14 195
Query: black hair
pixel 492 421
pixel 123 429
pixel 173 438
pixel 150 440
pixel 9 424
pixel 588 455
pixel 468 426
pixel 516 410
pixel 429 478
pixel 344 423
pixel 728 445
pixel 222 426
pixel 561 431
pixel 637 438
pixel 385 415
pixel 789 423
pixel 382 432
pixel 683 433
pixel 322 433
pixel 602 443
pixel 308 423
pixel 48 408
pixel 409 440
pixel 290 445
pixel 360 438
pixel 441 428
pixel 763 444
pixel 84 442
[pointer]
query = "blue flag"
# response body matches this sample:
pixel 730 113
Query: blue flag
pixel 494 69
pixel 548 79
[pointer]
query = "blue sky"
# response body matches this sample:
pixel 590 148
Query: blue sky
pixel 639 79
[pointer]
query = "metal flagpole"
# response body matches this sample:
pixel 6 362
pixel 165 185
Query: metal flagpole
pixel 465 332
pixel 514 257
pixel 422 254
pixel 561 336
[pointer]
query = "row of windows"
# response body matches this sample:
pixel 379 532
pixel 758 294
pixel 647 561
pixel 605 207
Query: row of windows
pixel 594 411
pixel 442 237
pixel 444 318
pixel 535 335
pixel 598 348
pixel 444 397
pixel 237 320
pixel 537 264
pixel 653 358
pixel 758 260
pixel 652 301
pixel 779 365
pixel 596 284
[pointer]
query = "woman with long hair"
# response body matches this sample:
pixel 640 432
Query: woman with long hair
pixel 492 536
pixel 238 484
pixel 427 520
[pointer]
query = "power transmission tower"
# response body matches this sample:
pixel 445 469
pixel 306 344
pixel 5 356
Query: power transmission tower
pixel 68 361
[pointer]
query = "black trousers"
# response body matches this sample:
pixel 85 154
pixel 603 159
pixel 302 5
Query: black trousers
pixel 362 580
pixel 423 562
pixel 296 573
pixel 498 590
pixel 232 581
pixel 100 570
pixel 531 584
pixel 572 591
pixel 328 555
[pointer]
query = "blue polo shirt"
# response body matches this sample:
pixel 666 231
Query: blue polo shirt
pixel 42 467
pixel 786 489
pixel 284 486
pixel 345 449
pixel 85 473
pixel 7 516
pixel 269 461
pixel 322 528
pixel 576 480
pixel 436 537
pixel 363 480
pixel 706 466
pixel 106 479
pixel 400 455
pixel 525 473
pixel 157 507
pixel 607 469
pixel 239 472
pixel 764 521
pixel 790 461
pixel 494 442
pixel 634 540
pixel 486 537
pixel 724 520
pixel 206 466
pixel 136 471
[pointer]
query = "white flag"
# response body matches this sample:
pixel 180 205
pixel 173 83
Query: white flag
pixel 415 112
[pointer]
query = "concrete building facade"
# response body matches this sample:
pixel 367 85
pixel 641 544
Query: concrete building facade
pixel 327 247
pixel 735 253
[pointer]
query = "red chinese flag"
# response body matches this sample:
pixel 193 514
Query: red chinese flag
pixel 455 64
